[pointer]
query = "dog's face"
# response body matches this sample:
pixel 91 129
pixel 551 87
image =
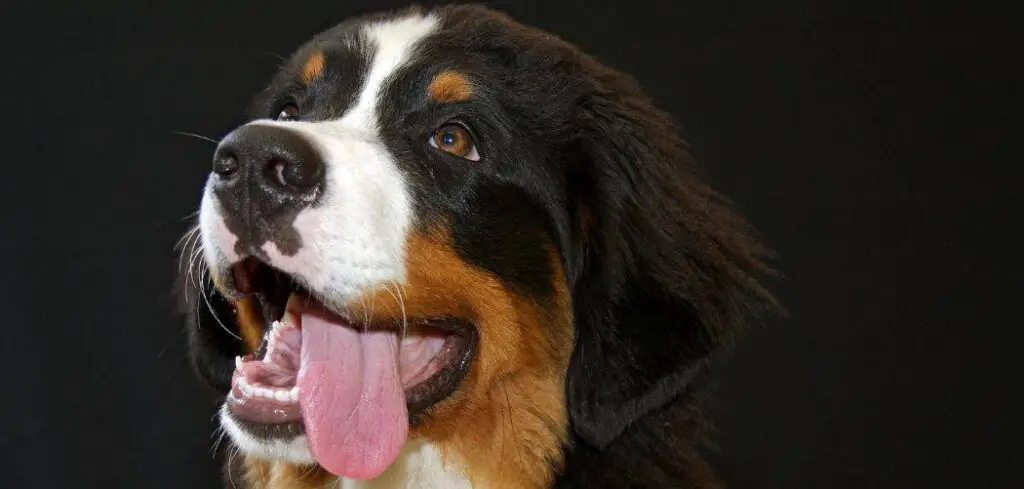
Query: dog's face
pixel 446 236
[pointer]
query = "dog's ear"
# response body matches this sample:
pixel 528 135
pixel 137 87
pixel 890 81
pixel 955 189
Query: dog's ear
pixel 663 271
pixel 213 334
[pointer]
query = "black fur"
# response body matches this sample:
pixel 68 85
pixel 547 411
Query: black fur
pixel 665 279
pixel 661 271
pixel 212 337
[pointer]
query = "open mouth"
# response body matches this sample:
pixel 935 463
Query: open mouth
pixel 353 387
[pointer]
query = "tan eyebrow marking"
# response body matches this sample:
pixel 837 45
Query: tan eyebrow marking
pixel 449 87
pixel 313 68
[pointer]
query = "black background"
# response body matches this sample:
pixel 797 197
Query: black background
pixel 869 144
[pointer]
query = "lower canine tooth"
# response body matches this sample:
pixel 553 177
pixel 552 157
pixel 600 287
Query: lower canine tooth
pixel 294 394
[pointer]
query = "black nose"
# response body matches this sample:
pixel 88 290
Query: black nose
pixel 281 159
pixel 263 177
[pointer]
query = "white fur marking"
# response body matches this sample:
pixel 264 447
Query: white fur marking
pixel 218 240
pixel 393 42
pixel 419 466
pixel 354 239
pixel 294 450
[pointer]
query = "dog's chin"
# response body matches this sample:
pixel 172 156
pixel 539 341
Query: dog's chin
pixel 253 440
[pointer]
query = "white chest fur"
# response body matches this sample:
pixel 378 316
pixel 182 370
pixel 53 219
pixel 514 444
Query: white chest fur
pixel 420 466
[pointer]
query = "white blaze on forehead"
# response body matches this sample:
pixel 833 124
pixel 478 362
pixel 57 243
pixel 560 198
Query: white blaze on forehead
pixel 392 43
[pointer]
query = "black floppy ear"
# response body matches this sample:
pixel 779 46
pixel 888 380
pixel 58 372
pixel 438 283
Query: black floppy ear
pixel 213 337
pixel 663 274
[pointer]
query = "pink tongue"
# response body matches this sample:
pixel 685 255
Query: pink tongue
pixel 351 398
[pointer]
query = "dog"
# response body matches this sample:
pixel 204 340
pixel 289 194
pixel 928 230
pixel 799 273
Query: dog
pixel 448 250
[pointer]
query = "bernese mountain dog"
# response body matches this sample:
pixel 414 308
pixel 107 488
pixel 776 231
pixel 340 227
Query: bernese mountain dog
pixel 447 250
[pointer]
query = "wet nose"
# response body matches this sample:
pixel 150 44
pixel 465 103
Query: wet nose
pixel 263 177
pixel 276 161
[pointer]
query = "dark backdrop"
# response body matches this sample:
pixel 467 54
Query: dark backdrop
pixel 871 146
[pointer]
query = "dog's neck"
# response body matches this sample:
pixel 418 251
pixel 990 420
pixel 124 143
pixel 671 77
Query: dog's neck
pixel 420 466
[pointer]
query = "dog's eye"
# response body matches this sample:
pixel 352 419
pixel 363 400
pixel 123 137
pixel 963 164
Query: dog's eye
pixel 288 113
pixel 455 139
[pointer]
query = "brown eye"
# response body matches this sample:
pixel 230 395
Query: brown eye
pixel 455 139
pixel 288 113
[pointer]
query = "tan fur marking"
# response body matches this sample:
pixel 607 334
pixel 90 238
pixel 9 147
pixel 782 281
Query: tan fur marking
pixel 507 422
pixel 250 322
pixel 261 474
pixel 313 68
pixel 450 87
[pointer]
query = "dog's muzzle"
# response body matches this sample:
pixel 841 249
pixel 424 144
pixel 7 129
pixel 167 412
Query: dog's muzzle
pixel 263 176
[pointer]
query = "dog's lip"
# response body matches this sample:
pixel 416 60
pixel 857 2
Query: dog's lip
pixel 270 418
pixel 242 275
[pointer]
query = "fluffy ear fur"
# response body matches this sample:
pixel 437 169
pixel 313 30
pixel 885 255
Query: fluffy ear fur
pixel 213 340
pixel 664 270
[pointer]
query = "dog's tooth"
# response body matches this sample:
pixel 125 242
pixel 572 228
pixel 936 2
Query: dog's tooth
pixel 238 363
pixel 288 320
pixel 294 394
pixel 281 395
pixel 264 392
pixel 270 349
pixel 246 388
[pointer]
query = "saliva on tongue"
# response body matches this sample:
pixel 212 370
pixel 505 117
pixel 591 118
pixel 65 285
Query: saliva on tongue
pixel 352 400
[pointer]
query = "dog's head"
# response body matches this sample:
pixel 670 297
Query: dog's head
pixel 442 231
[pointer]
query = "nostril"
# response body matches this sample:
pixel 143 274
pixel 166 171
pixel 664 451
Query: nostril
pixel 296 174
pixel 225 165
pixel 277 168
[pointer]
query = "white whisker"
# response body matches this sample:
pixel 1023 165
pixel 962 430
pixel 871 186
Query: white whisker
pixel 218 436
pixel 234 452
pixel 196 261
pixel 202 291
pixel 397 294
pixel 186 243
pixel 197 136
